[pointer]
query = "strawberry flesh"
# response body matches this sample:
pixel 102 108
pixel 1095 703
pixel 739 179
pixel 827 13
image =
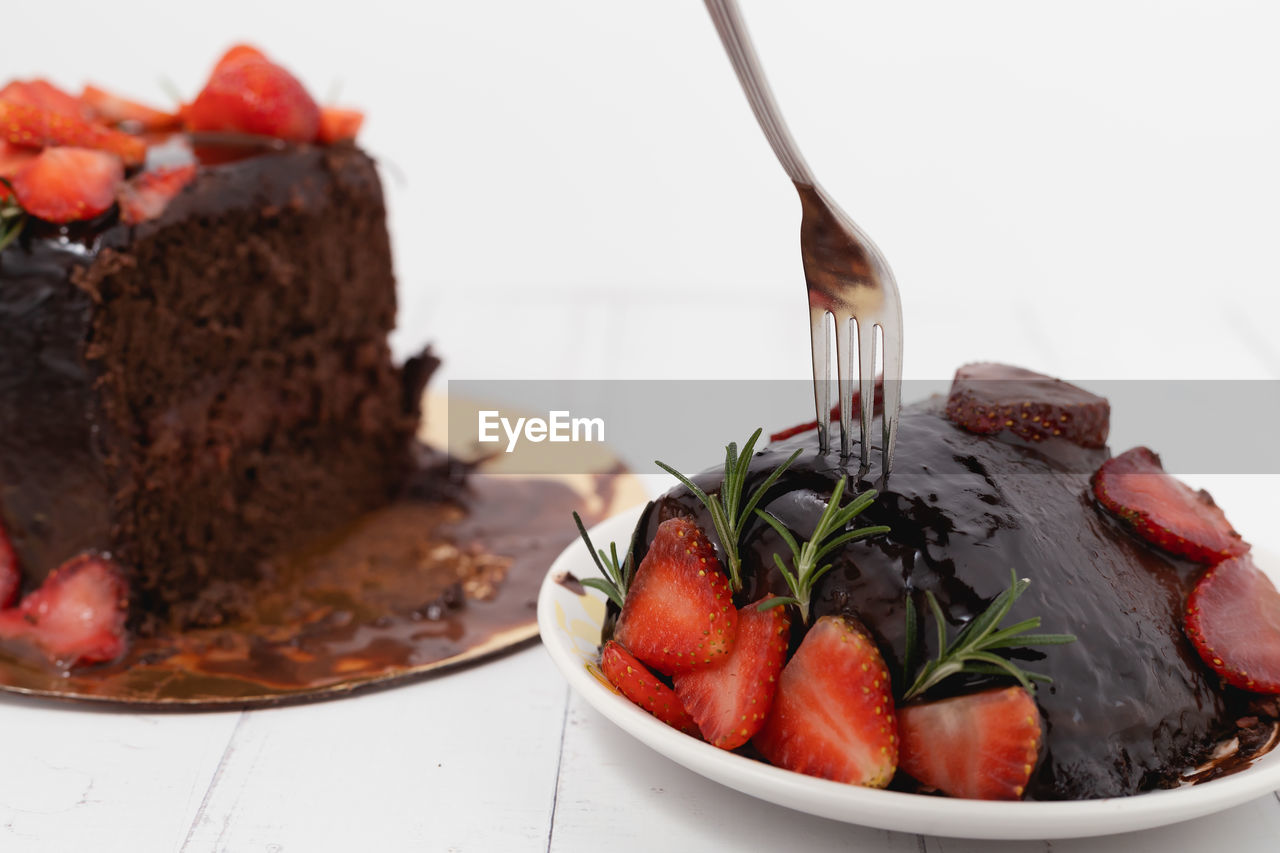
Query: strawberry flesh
pixel 114 110
pixel 679 612
pixel 237 53
pixel 833 713
pixel 250 94
pixel 339 125
pixel 991 398
pixel 1165 511
pixel 76 616
pixel 731 699
pixel 10 577
pixel 983 746
pixel 634 680
pixel 1233 620
pixel 43 95
pixel 145 196
pixel 68 184
pixel 34 127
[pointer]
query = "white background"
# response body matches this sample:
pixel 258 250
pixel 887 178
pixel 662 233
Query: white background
pixel 578 190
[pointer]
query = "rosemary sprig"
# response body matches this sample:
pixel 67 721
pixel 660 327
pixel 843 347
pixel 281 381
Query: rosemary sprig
pixel 831 532
pixel 729 513
pixel 617 574
pixel 972 650
pixel 12 217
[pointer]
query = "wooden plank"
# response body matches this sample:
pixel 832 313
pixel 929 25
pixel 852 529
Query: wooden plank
pixel 75 779
pixel 617 794
pixel 465 761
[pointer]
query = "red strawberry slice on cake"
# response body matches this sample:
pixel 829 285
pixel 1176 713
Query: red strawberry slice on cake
pixel 679 612
pixel 634 680
pixel 114 110
pixel 68 184
pixel 731 699
pixel 339 125
pixel 43 95
pixel 1165 511
pixel 34 127
pixel 983 746
pixel 1233 620
pixel 833 713
pixel 76 616
pixel 10 577
pixel 990 398
pixel 145 196
pixel 248 93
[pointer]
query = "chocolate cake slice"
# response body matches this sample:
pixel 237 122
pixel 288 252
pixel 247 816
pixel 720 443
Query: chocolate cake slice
pixel 207 388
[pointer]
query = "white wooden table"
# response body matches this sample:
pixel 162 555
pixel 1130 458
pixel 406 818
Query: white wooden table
pixel 499 756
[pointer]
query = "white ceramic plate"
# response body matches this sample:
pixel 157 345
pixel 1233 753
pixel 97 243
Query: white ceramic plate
pixel 570 627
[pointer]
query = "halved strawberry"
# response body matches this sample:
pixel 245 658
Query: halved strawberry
pixel 730 699
pixel 114 110
pixel 39 128
pixel 145 196
pixel 10 577
pixel 41 94
pixel 339 125
pixel 68 184
pixel 236 53
pixel 249 94
pixel 679 612
pixel 988 398
pixel 642 687
pixel 1233 620
pixel 983 746
pixel 833 714
pixel 76 616
pixel 1165 511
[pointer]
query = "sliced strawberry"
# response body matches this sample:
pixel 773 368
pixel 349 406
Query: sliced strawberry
pixel 145 196
pixel 10 576
pixel 76 616
pixel 68 184
pixel 39 128
pixel 833 714
pixel 249 94
pixel 1233 620
pixel 339 125
pixel 730 700
pixel 637 683
pixel 114 110
pixel 236 53
pixel 983 746
pixel 679 612
pixel 989 398
pixel 878 402
pixel 1165 511
pixel 43 95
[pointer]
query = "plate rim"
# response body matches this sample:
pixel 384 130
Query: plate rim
pixel 892 810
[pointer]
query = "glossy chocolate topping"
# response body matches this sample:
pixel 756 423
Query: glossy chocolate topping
pixel 1130 707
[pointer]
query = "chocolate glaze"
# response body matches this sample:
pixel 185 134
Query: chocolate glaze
pixel 1131 705
pixel 228 354
pixel 403 592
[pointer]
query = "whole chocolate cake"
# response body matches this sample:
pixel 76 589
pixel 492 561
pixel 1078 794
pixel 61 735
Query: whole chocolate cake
pixel 972 497
pixel 194 385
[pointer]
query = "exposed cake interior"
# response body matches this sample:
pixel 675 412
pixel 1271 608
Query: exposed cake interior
pixel 227 381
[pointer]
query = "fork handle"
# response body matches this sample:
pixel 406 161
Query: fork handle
pixel 727 17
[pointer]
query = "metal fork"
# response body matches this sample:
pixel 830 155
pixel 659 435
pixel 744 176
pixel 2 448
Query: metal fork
pixel 846 275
